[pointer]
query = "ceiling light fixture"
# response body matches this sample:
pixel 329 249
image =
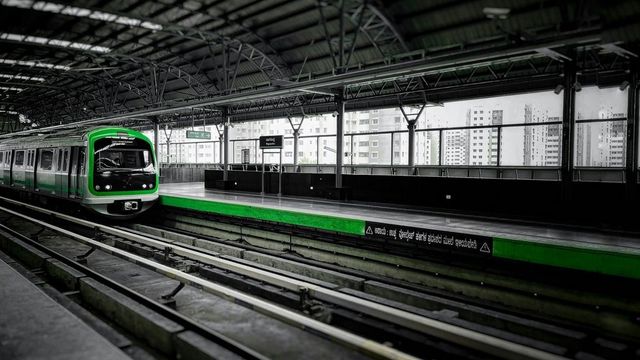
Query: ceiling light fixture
pixel 53 42
pixel 496 13
pixel 64 9
pixel 5 88
pixel 22 77
pixel 34 63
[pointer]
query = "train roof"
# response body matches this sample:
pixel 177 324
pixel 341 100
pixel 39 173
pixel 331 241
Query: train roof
pixel 64 137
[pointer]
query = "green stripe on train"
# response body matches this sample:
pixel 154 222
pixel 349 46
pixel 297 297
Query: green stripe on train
pixel 323 222
pixel 592 260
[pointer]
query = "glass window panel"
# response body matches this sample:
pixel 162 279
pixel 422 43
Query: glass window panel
pixel 593 102
pixel 542 146
pixel 400 149
pixel 455 147
pixel 600 144
pixel 328 150
pixel 307 151
pixel 427 147
pixel 533 107
pixel 246 146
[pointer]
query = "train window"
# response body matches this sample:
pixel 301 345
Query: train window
pixel 1 158
pixel 118 154
pixel 19 158
pixel 46 159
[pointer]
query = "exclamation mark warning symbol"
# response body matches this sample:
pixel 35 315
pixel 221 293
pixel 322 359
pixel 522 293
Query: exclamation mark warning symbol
pixel 485 248
pixel 369 231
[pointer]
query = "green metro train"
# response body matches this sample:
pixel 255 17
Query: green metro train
pixel 109 170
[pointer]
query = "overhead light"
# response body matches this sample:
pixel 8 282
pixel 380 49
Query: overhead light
pixel 577 86
pixel 34 63
pixel 5 88
pixel 69 10
pixel 10 112
pixel 624 85
pixel 558 89
pixel 53 42
pixel 496 13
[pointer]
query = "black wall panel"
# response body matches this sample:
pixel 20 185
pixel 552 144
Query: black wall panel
pixel 593 204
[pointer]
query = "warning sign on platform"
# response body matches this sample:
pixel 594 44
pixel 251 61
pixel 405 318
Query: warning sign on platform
pixel 427 238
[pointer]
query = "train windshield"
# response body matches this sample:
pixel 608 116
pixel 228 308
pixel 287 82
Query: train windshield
pixel 123 154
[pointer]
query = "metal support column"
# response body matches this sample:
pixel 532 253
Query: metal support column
pixel 225 134
pixel 411 125
pixel 339 137
pixel 632 138
pixel 156 141
pixel 296 136
pixel 568 129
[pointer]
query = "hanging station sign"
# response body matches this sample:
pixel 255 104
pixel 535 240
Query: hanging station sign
pixel 271 142
pixel 202 135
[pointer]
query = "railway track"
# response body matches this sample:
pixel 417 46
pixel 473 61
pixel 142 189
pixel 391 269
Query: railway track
pixel 607 309
pixel 300 301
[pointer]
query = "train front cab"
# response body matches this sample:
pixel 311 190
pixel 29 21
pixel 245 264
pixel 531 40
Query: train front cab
pixel 122 179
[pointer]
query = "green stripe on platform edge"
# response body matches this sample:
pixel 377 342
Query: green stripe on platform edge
pixel 324 222
pixel 599 261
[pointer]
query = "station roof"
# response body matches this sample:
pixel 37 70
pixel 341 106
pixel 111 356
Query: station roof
pixel 174 60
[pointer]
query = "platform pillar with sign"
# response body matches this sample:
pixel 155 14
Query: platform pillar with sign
pixel 271 143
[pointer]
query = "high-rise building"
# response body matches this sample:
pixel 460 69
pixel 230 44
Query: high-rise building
pixel 601 144
pixel 541 142
pixel 482 143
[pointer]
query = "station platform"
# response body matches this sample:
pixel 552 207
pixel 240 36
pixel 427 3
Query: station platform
pixel 33 326
pixel 578 249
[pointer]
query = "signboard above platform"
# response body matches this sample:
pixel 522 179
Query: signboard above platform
pixel 203 135
pixel 271 142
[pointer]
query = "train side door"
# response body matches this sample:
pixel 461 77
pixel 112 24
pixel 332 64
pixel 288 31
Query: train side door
pixel 45 182
pixel 29 171
pixel 18 169
pixel 73 172
pixel 62 169
pixel 76 189
pixel 58 171
pixel 6 178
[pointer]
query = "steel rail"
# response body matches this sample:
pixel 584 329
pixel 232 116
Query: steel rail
pixel 188 323
pixel 366 346
pixel 458 335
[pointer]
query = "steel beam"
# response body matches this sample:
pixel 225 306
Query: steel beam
pixel 225 135
pixel 568 129
pixel 632 138
pixel 372 75
pixel 156 141
pixel 339 138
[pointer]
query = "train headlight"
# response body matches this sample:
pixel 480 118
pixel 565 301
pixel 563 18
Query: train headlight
pixel 144 186
pixel 98 187
pixel 108 187
pixel 150 186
